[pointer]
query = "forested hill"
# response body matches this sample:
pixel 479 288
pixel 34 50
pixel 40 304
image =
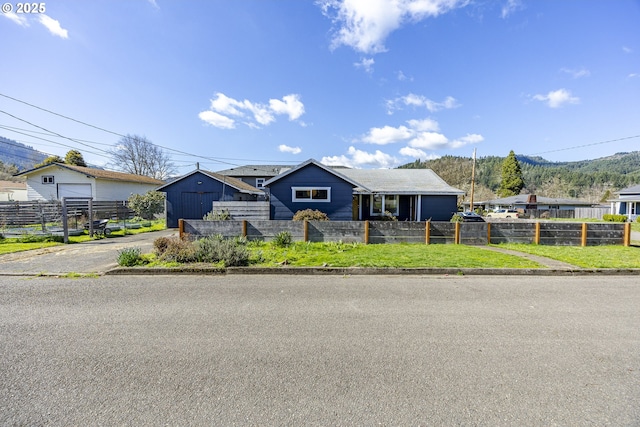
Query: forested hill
pixel 592 180
pixel 18 154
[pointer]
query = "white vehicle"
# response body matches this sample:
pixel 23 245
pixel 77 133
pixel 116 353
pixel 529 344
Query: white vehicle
pixel 503 213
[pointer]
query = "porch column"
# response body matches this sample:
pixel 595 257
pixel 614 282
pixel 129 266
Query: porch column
pixel 418 207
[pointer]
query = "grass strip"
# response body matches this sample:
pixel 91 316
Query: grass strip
pixel 586 257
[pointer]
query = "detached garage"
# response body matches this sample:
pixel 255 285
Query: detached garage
pixel 56 181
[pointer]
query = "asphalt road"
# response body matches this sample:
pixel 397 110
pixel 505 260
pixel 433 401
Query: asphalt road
pixel 320 350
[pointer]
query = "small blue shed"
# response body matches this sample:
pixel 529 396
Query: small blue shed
pixel 192 195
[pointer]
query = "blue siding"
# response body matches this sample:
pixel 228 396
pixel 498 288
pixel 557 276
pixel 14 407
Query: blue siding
pixel 283 208
pixel 438 208
pixel 187 199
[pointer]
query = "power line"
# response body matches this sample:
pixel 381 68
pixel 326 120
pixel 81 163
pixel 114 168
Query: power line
pixel 586 145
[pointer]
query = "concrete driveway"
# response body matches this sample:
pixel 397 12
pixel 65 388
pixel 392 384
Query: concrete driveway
pixel 96 256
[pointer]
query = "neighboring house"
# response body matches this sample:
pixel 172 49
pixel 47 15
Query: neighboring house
pixel 357 194
pixel 56 181
pixel 531 201
pixel 191 196
pixel 255 175
pixel 13 191
pixel 627 203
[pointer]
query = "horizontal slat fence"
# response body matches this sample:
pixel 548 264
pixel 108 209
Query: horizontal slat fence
pixel 34 213
pixel 431 232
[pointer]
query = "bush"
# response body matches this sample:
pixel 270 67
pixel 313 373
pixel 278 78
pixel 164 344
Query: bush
pixel 147 205
pixel 31 238
pixel 310 215
pixel 282 239
pixel 214 215
pixel 129 257
pixel 215 249
pixel 388 216
pixel 174 249
pixel 614 218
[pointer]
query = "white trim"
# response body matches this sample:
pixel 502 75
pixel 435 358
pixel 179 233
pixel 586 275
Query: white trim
pixel 296 199
pixel 384 204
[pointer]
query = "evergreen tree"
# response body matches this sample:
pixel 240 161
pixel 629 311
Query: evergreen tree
pixel 50 159
pixel 74 157
pixel 512 179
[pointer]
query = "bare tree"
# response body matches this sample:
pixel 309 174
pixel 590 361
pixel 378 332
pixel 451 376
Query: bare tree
pixel 139 156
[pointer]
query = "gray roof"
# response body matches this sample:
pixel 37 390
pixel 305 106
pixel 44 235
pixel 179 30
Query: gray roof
pixel 239 185
pixel 258 171
pixel 630 190
pixel 318 164
pixel 400 181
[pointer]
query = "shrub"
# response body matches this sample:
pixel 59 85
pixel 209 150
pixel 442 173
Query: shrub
pixel 216 249
pixel 129 257
pixel 310 215
pixel 456 218
pixel 282 239
pixel 175 249
pixel 388 216
pixel 614 218
pixel 31 238
pixel 214 215
pixel 147 205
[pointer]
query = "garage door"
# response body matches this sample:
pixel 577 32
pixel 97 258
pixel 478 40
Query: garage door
pixel 74 190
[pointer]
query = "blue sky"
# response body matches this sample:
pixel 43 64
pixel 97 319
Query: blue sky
pixel 364 83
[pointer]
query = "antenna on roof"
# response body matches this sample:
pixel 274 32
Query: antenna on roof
pixel 198 165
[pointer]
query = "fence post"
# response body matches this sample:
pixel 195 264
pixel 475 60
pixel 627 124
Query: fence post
pixel 427 232
pixel 366 232
pixel 583 242
pixel 305 231
pixel 181 228
pixel 244 228
pixel 536 237
pixel 627 234
pixel 488 233
pixel 456 237
pixel 65 222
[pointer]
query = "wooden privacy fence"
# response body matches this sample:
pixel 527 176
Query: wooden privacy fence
pixel 30 213
pixel 429 232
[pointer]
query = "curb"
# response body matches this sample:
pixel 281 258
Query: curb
pixel 360 271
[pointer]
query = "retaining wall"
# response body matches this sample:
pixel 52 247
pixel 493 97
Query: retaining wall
pixel 538 232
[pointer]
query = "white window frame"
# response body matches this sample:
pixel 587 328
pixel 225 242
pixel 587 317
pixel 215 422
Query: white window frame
pixel 296 199
pixel 384 204
pixel 260 182
pixel 48 179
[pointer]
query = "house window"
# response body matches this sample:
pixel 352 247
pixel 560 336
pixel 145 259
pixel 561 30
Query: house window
pixel 311 194
pixel 47 179
pixel 381 203
pixel 260 182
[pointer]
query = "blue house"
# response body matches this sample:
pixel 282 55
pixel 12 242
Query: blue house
pixel 359 194
pixel 311 185
pixel 191 196
pixel 627 203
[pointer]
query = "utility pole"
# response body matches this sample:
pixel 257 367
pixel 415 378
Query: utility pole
pixel 473 178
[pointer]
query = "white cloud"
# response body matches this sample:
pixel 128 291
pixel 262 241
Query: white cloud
pixel 413 100
pixel 53 26
pixel 364 25
pixel 286 149
pixel 254 114
pixel 413 152
pixel 473 138
pixel 429 141
pixel 357 158
pixel 626 49
pixel 557 98
pixel 18 19
pixel 366 64
pixel 576 73
pixel 510 7
pixel 424 125
pixel 633 75
pixel 387 135
pixel 217 120
pixel 290 105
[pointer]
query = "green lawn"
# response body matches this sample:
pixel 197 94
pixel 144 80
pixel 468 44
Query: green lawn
pixel 585 257
pixel 302 254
